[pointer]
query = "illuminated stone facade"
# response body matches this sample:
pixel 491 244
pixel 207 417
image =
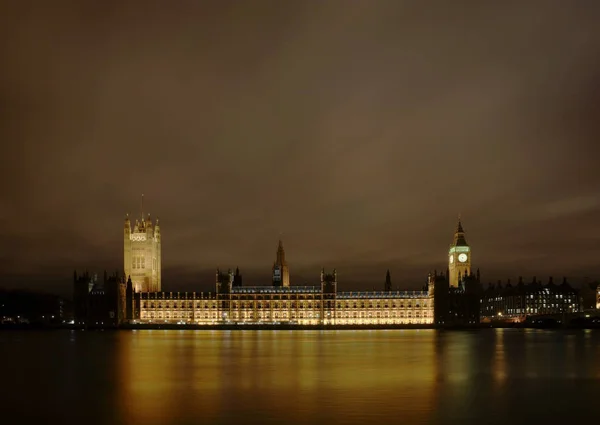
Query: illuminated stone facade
pixel 459 257
pixel 302 305
pixel 142 254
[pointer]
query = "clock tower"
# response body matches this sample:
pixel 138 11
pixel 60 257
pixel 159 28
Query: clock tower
pixel 459 257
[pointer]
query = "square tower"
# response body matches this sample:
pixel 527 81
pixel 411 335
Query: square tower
pixel 142 254
pixel 459 257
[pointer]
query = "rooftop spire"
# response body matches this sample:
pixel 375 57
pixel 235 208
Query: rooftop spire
pixel 280 253
pixel 459 235
pixel 459 228
pixel 142 207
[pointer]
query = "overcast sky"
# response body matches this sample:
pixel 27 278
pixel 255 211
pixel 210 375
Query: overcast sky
pixel 358 129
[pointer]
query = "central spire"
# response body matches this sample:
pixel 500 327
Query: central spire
pixel 459 235
pixel 459 228
pixel 281 272
pixel 280 254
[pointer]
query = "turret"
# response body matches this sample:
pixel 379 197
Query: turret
pixel 281 272
pixel 388 282
pixel 148 226
pixel 430 285
pixel 157 230
pixel 127 226
pixel 329 281
pixel 224 281
pixel 237 278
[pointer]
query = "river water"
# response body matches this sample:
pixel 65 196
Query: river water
pixel 300 377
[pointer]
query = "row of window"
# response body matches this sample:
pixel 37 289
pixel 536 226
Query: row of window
pixel 301 315
pixel 139 262
pixel 489 312
pixel 531 297
pixel 266 305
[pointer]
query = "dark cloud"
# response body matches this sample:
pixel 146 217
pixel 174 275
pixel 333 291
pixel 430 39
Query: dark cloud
pixel 358 129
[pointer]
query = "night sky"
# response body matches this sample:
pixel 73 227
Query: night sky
pixel 358 129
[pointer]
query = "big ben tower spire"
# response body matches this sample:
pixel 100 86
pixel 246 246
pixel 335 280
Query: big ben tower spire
pixel 459 256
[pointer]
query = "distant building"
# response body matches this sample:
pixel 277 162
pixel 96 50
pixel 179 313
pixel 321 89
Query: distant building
pixel 142 254
pixel 99 303
pixel 26 307
pixel 517 302
pixel 590 295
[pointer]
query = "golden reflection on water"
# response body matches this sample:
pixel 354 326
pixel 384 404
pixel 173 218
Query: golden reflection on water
pixel 348 377
pixel 318 375
pixel 499 363
pixel 509 376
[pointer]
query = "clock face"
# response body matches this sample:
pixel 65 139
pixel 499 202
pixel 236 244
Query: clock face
pixel 462 258
pixel 451 259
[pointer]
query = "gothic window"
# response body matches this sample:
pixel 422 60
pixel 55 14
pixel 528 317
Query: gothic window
pixel 143 263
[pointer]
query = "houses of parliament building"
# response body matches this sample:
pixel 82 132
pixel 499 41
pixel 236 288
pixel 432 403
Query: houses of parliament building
pixel 281 303
pixel 140 299
pixel 136 296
